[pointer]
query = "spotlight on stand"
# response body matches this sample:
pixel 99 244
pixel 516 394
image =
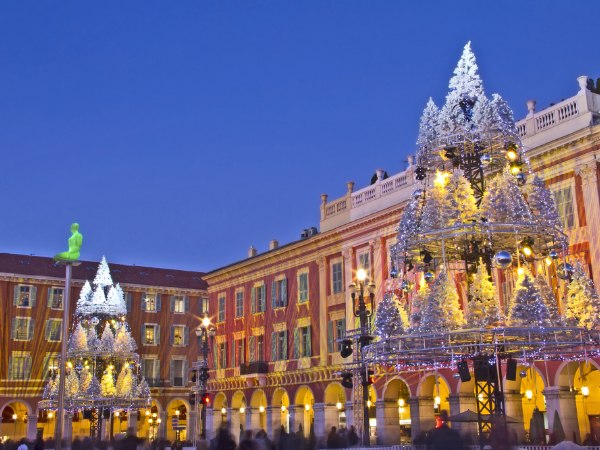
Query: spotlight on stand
pixel 346 349
pixel 421 173
pixel 450 152
pixel 527 246
pixel 515 167
pixel 511 150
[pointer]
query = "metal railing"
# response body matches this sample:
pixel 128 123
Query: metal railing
pixel 155 382
pixel 249 368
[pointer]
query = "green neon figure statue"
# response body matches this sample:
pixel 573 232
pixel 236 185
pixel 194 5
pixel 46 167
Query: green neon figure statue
pixel 74 246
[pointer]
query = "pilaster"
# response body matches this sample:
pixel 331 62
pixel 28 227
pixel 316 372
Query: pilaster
pixel 377 267
pixel 326 416
pixel 591 200
pixel 233 418
pixel 253 419
pixel 210 424
pixel 388 425
pixel 349 408
pixel 348 255
pixel 162 426
pixel 67 434
pixel 422 415
pixel 273 420
pixel 563 400
pixel 296 417
pixel 323 262
pixel 460 403
pixel 190 424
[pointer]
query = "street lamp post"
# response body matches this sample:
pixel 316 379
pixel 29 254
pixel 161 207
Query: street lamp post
pixel 363 314
pixel 203 333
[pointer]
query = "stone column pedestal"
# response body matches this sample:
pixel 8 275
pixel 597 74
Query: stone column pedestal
pixel 388 422
pixel 190 425
pixel 460 403
pixel 210 425
pixel 422 415
pixel 253 419
pixel 349 407
pixel 563 400
pixel 132 421
pixel 297 418
pixel 514 409
pixel 326 416
pixel 273 420
pixel 233 417
pixel 31 433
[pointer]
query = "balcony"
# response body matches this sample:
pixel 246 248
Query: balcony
pixel 155 382
pixel 254 368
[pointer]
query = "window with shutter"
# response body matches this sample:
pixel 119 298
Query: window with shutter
pixel 233 352
pixel 203 305
pixel 242 350
pixel 157 334
pixel 156 371
pixel 53 330
pixel 172 335
pixel 28 362
pixel 31 329
pixel 303 288
pixel 274 346
pixel 186 336
pixel 284 291
pixel 172 372
pixel 253 301
pixel 149 336
pixel 308 351
pixel 25 296
pixel 128 301
pixel 296 343
pixel 330 336
pixel 178 302
pixel 564 206
pixel 55 298
pixel 178 335
pixel 186 304
pixel 172 303
pixel 33 295
pixel 239 304
pixel 143 338
pixel 251 349
pixel 185 372
pixel 273 294
pixel 144 302
pixel 284 345
pixel 337 282
pixel 263 298
pixel 215 356
pixel 222 309
pixel 158 301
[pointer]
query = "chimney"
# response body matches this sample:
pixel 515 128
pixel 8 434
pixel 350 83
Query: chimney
pixel 252 252
pixel 411 160
pixel 531 107
pixel 273 244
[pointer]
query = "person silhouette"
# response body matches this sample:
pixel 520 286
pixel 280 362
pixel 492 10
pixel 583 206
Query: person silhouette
pixel 75 242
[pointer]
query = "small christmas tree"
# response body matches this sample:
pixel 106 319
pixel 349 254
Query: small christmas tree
pixel 84 380
pixel 55 387
pixel 85 298
pixel 103 278
pixel 78 340
pixel 114 300
pixel 582 300
pixel 417 305
pixel 475 316
pixel 108 384
pixel 547 294
pixel 482 290
pixel 459 204
pixel 143 390
pixel 47 390
pixel 410 221
pixel 435 205
pixel 442 310
pixel 528 308
pixel 71 384
pixel 98 297
pixel 93 342
pixel 125 382
pixel 506 122
pixel 503 201
pixel 94 390
pixel 388 316
pixel 543 206
pixel 403 323
pixel 107 342
pixel 429 123
pixel 124 342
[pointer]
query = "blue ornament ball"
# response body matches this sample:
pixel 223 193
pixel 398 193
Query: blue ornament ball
pixel 393 273
pixel 503 259
pixel 429 277
pixel 565 271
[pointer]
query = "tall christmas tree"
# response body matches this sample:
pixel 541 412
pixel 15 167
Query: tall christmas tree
pixel 435 205
pixel 583 305
pixel 108 384
pixel 543 206
pixel 465 90
pixel 72 384
pixel 528 307
pixel 84 380
pixel 103 278
pixel 93 342
pixel 388 316
pixel 410 221
pixel 482 290
pixel 459 206
pixel 94 390
pixel 124 342
pixel 429 124
pixel 442 310
pixel 85 298
pixel 418 304
pixel 549 298
pixel 107 341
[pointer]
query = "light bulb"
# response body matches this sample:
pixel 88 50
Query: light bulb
pixel 158 420
pixel 307 407
pixel 401 402
pixel 261 409
pixel 520 271
pixel 527 251
pixel 177 412
pixel 528 394
pixel 400 410
pixel 361 275
pixel 339 405
pixel 585 391
pixel 14 417
pixel 481 397
pixel 369 403
pixel 149 420
pixel 438 400
pixel 69 364
pixel 283 407
pixel 548 261
pixel 153 414
pixel 242 410
pixel 49 415
pixel 223 410
pixel 116 413
pixel 147 413
pixel 206 322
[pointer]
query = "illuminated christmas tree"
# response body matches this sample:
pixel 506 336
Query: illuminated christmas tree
pixel 527 306
pixel 459 205
pixel 388 316
pixel 72 384
pixel 442 310
pixel 125 383
pixel 417 305
pixel 556 319
pixel 583 305
pixel 107 342
pixel 108 384
pixel 124 342
pixel 78 340
pixel 482 291
pixel 84 380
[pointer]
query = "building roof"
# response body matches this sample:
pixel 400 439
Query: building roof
pixel 45 267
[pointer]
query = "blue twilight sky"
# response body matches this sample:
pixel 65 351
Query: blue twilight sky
pixel 179 133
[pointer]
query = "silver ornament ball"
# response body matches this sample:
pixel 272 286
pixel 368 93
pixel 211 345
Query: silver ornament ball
pixel 553 255
pixel 95 321
pixel 486 159
pixel 503 259
pixel 456 375
pixel 521 178
pixel 565 271
pixel 428 277
pixel 406 286
pixel 523 373
pixel 418 193
pixel 393 273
